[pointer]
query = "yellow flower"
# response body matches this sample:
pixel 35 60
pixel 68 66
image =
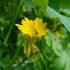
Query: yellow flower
pixel 27 27
pixel 32 30
pixel 57 34
pixel 40 27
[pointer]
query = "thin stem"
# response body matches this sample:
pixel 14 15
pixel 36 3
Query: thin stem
pixel 8 34
pixel 13 22
pixel 41 56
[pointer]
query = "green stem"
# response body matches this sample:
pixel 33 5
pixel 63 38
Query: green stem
pixel 8 34
pixel 41 56
pixel 13 22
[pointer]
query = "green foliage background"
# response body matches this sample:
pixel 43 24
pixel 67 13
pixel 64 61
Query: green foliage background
pixel 54 53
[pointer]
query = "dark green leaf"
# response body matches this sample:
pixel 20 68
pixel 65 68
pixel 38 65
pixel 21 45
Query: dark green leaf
pixel 41 3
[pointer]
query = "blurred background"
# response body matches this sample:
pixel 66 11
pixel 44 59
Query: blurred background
pixel 54 48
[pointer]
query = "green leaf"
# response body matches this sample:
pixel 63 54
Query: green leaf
pixel 64 20
pixel 66 11
pixel 59 62
pixel 67 67
pixel 4 62
pixel 20 40
pixel 63 61
pixel 41 3
pixel 48 41
pixel 53 43
pixel 58 4
pixel 28 67
pixel 2 50
pixel 28 3
pixel 57 47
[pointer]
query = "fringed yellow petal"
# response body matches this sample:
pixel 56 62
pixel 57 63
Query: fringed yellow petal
pixel 32 28
pixel 40 27
pixel 27 27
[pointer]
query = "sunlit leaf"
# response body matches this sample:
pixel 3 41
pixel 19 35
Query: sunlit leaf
pixel 64 20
